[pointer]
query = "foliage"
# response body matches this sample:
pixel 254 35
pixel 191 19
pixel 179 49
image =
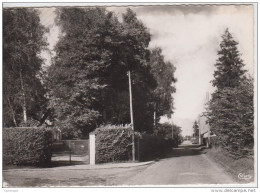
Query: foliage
pixel 214 141
pixel 113 143
pixel 229 66
pixel 134 55
pixel 169 131
pixel 27 146
pixel 23 92
pixel 163 73
pixel 232 118
pixel 231 109
pixel 88 78
pixel 83 59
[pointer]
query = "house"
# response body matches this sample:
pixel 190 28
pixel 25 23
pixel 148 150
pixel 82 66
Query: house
pixel 204 131
pixel 204 128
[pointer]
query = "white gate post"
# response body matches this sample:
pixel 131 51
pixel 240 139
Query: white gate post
pixel 92 149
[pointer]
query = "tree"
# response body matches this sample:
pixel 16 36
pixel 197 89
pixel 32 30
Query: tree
pixel 89 72
pixel 23 92
pixel 229 66
pixel 163 73
pixel 195 129
pixel 135 55
pixel 169 131
pixel 231 109
pixel 232 118
pixel 79 76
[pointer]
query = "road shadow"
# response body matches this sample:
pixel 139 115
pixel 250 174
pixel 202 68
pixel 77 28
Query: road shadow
pixel 183 150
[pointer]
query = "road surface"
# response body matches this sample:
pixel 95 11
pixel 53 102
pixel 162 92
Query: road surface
pixel 184 165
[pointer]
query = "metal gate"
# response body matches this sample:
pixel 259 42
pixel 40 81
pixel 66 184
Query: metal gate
pixel 70 152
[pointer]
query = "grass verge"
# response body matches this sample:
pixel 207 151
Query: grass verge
pixel 242 170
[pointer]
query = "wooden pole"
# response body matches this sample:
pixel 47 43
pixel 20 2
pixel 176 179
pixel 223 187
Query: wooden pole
pixel 131 115
pixel 199 132
pixel 131 103
pixel 172 131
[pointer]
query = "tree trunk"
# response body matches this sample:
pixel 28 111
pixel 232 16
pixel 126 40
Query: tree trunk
pixel 12 110
pixel 154 118
pixel 24 100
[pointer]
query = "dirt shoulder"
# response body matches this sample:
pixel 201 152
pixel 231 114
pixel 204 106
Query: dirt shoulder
pixel 78 175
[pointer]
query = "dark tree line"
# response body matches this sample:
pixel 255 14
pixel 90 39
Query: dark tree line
pixel 86 84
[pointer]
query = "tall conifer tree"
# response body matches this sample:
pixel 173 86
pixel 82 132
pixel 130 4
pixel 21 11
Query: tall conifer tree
pixel 231 107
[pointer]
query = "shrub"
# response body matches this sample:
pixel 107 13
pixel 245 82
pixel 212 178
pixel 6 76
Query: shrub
pixel 27 146
pixel 169 131
pixel 113 143
pixel 214 142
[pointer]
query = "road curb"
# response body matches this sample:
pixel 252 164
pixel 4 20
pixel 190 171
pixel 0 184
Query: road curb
pixel 86 167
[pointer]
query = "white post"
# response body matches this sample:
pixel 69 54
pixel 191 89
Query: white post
pixel 92 148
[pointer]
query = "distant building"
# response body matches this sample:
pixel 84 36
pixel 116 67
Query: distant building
pixel 204 128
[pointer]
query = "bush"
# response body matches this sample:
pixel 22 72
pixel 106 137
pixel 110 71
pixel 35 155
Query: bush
pixel 113 143
pixel 214 142
pixel 27 146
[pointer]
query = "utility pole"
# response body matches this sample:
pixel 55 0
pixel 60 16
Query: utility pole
pixel 172 129
pixel 131 115
pixel 199 131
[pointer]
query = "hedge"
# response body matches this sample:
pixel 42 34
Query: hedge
pixel 27 146
pixel 113 143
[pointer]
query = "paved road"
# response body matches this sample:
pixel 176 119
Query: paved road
pixel 184 165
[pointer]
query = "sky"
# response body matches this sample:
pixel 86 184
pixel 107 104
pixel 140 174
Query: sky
pixel 189 36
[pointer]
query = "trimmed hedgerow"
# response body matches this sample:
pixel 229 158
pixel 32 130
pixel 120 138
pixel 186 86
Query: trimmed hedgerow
pixel 113 143
pixel 27 146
